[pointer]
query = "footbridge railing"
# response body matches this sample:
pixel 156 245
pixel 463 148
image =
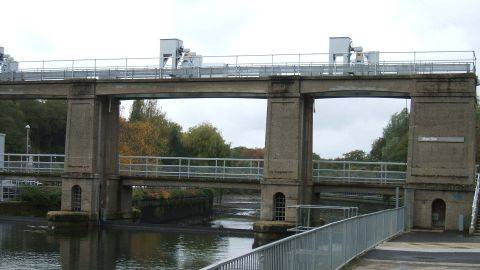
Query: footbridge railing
pixel 359 171
pixel 186 167
pixel 33 163
pixel 328 247
pixel 214 168
pixel 218 66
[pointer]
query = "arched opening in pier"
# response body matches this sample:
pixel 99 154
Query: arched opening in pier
pixel 76 198
pixel 438 214
pixel 279 206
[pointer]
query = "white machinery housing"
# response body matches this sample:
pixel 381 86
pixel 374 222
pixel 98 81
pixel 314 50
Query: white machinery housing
pixel 342 47
pixel 174 55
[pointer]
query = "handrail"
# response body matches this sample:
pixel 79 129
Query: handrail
pixel 473 222
pixel 246 65
pixel 234 168
pixel 241 55
pixel 308 247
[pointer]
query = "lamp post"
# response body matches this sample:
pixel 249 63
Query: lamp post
pixel 28 139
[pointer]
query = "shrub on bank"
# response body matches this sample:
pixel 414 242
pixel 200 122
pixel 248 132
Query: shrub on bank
pixel 140 194
pixel 47 198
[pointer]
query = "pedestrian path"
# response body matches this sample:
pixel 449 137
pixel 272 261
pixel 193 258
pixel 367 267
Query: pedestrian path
pixel 423 250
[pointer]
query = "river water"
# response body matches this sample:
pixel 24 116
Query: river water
pixel 34 247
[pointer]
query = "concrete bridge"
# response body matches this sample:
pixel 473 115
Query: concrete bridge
pixel 441 156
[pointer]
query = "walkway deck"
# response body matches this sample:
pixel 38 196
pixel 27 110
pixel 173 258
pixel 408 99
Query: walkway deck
pixel 423 250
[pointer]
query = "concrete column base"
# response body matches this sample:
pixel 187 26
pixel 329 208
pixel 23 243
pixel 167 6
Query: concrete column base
pixel 68 220
pixel 269 231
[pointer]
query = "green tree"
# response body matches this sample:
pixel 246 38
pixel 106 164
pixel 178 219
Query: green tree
pixel 355 155
pixel 136 111
pixel 47 119
pixel 393 145
pixel 143 110
pixel 245 152
pixel 205 140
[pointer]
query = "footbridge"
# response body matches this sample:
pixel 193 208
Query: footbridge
pixel 379 178
pixel 441 156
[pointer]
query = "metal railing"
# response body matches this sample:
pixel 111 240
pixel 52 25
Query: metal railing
pixel 33 163
pixel 186 167
pixel 328 247
pixel 473 222
pixel 309 64
pixel 359 171
pixel 215 168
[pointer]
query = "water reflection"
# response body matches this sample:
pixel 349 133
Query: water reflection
pixel 25 247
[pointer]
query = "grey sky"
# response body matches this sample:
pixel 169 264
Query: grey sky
pixel 55 29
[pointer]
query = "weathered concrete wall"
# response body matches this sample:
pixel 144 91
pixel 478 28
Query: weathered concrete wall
pixel 399 86
pixel 288 148
pixel 176 209
pixel 441 157
pixel 91 155
pixel 457 203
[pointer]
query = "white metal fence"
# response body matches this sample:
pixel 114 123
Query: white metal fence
pixel 473 221
pixel 309 64
pixel 33 163
pixel 327 247
pixel 216 168
pixel 185 167
pixel 359 171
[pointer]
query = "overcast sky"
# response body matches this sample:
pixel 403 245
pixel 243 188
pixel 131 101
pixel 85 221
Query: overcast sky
pixel 33 30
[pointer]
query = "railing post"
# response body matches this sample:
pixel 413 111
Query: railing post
pixel 349 171
pixel 251 170
pixel 330 246
pixel 258 170
pixel 146 167
pixel 95 68
pixel 414 62
pixel 188 169
pixel 73 68
pixel 179 167
pixel 224 168
pixel 397 197
pixel 385 168
pixel 126 68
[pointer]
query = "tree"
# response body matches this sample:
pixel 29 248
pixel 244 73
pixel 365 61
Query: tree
pixel 245 152
pixel 205 140
pixel 136 111
pixel 393 145
pixel 143 110
pixel 149 132
pixel 47 119
pixel 355 155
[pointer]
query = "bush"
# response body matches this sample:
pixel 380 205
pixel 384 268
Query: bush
pixel 136 213
pixel 48 198
pixel 140 194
